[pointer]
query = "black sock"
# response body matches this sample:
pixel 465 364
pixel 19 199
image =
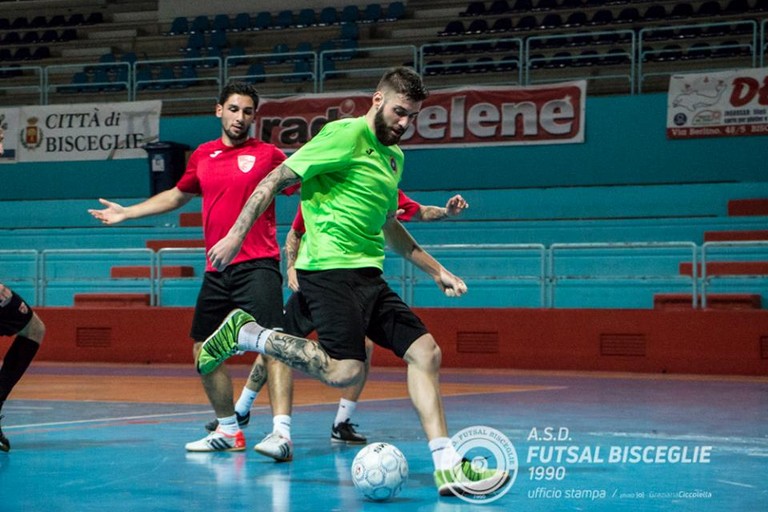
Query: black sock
pixel 15 363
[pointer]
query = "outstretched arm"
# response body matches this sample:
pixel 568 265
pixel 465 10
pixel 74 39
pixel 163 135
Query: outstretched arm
pixel 159 203
pixel 225 250
pixel 403 243
pixel 453 207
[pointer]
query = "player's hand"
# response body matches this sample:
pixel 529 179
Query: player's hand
pixel 112 214
pixel 293 279
pixel 451 285
pixel 456 205
pixel 223 252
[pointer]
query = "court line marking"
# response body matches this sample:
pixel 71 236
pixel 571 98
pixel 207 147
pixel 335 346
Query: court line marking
pixel 737 484
pixel 259 408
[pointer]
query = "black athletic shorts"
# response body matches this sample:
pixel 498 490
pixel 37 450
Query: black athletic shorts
pixel 254 286
pixel 15 314
pixel 346 305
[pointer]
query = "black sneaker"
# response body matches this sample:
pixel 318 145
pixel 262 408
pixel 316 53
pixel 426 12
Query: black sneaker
pixel 345 433
pixel 242 422
pixel 5 445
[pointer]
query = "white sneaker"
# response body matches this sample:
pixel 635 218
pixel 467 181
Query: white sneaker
pixel 218 441
pixel 276 446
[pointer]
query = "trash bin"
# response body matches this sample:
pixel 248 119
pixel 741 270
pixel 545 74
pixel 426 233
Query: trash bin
pixel 167 161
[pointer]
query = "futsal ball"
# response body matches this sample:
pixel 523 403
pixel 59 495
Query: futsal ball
pixel 379 471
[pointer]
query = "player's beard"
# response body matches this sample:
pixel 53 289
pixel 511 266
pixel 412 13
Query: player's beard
pixel 238 139
pixel 383 131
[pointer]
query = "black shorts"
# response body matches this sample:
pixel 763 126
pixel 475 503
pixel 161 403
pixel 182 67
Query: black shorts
pixel 346 305
pixel 15 314
pixel 254 286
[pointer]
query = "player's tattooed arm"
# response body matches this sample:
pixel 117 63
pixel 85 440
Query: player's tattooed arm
pixel 225 250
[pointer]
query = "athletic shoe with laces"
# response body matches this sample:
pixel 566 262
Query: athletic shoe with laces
pixel 276 446
pixel 218 441
pixel 345 432
pixel 222 344
pixel 5 445
pixel 464 480
pixel 242 422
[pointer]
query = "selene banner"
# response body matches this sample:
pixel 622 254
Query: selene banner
pixel 547 114
pixel 86 131
pixel 718 104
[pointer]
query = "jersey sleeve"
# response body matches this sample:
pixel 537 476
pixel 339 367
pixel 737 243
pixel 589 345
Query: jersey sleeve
pixel 323 153
pixel 298 222
pixel 409 206
pixel 189 181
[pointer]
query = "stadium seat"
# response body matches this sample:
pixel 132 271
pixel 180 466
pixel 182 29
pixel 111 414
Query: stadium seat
pixel 551 21
pixel 395 11
pixel 38 22
pixel 742 6
pixel 221 23
pixel 498 7
pixel 200 24
pixel 452 28
pixel 306 18
pixel 262 21
pixel 56 21
pixel 30 37
pixel 49 36
pixel 94 18
pixel 526 23
pixel 41 53
pixel 75 20
pixel 681 11
pixel 242 22
pixel 475 8
pixel 709 9
pixel 256 73
pixel 179 26
pixel 602 17
pixel 284 19
pixel 349 14
pixel 20 23
pixel 655 12
pixel 477 27
pixel 501 25
pixel 576 19
pixel 328 16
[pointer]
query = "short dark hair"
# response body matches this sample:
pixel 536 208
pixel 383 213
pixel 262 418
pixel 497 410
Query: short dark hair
pixel 241 88
pixel 406 81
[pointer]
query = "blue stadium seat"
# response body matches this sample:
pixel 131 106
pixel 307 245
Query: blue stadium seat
pixel 328 16
pixel 221 23
pixel 372 13
pixel 262 21
pixel 284 19
pixel 256 73
pixel 242 22
pixel 306 18
pixel 395 11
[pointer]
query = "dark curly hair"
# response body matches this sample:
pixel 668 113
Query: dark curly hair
pixel 241 88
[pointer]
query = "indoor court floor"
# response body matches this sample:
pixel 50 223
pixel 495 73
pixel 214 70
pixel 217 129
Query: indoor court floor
pixel 110 438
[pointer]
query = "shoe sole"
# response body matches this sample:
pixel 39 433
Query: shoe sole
pixel 465 489
pixel 271 456
pixel 344 441
pixel 223 322
pixel 235 449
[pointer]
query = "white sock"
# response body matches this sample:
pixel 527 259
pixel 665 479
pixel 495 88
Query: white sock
pixel 444 455
pixel 228 425
pixel 281 424
pixel 252 337
pixel 345 411
pixel 244 403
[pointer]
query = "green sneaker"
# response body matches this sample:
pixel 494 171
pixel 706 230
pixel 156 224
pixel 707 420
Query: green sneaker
pixel 464 480
pixel 222 344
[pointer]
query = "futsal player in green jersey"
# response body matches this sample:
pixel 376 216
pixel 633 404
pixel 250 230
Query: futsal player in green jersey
pixel 349 175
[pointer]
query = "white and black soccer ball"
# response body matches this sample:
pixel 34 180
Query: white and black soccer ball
pixel 379 471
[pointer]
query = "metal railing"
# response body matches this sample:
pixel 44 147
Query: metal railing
pixel 748 39
pixel 716 252
pixel 506 275
pixel 616 262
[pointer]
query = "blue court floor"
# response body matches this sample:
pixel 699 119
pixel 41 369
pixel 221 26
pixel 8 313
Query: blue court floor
pixel 94 439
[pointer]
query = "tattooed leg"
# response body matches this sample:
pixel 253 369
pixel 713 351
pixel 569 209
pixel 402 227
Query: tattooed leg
pixel 309 357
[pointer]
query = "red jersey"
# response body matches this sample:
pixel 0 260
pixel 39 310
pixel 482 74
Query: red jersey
pixel 225 177
pixel 405 203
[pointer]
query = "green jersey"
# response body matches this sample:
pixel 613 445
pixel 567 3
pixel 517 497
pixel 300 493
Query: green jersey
pixel 349 184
